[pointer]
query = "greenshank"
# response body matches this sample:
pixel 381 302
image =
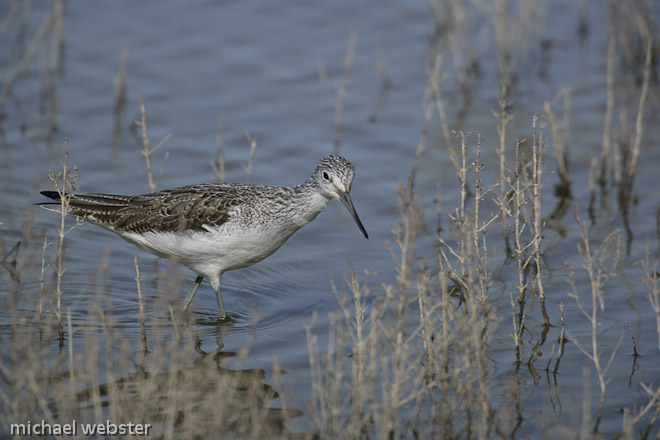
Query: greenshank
pixel 216 227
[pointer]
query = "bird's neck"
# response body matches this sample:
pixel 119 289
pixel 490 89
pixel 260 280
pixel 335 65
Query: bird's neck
pixel 310 199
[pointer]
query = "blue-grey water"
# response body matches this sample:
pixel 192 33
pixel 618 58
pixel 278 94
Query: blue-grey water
pixel 271 71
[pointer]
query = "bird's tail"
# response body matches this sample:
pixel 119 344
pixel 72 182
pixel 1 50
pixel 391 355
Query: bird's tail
pixel 52 206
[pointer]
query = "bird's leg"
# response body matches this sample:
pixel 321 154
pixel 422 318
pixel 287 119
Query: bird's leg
pixel 221 305
pixel 215 283
pixel 192 292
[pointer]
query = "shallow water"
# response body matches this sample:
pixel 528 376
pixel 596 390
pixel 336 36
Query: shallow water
pixel 243 68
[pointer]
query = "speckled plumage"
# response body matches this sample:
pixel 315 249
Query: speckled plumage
pixel 212 228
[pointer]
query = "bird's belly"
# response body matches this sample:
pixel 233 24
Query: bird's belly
pixel 211 252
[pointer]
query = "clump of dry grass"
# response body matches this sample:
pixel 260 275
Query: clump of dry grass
pixel 418 357
pixel 417 353
pixel 415 359
pixel 64 370
pixel 180 391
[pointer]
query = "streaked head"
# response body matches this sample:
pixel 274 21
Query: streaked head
pixel 334 175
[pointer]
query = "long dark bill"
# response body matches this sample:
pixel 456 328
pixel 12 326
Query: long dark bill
pixel 346 200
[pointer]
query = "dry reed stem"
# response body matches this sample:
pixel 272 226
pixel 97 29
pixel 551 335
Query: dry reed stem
pixel 120 78
pixel 119 98
pixel 644 93
pixel 522 193
pixel 503 118
pixel 342 88
pixel 562 338
pixel 339 91
pixel 480 226
pixel 599 274
pixel 520 222
pixel 219 164
pixel 607 167
pixel 253 149
pixel 42 277
pixel 65 182
pixel 586 403
pixel 560 132
pixel 453 14
pixel 57 34
pixel 538 224
pixel 434 86
pixel 142 318
pixel 147 151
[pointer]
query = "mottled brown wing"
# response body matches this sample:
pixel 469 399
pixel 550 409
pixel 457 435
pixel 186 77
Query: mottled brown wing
pixel 178 209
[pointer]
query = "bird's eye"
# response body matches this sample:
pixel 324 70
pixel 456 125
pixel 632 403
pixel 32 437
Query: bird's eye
pixel 325 175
